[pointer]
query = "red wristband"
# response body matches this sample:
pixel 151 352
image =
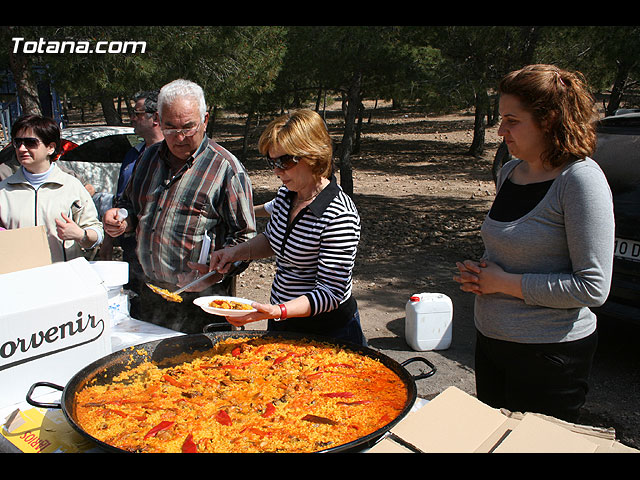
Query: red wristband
pixel 283 311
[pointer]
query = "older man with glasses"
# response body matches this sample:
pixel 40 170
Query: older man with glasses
pixel 187 196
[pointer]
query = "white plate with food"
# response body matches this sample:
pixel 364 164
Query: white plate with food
pixel 225 306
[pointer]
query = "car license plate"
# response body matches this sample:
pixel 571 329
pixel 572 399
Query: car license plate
pixel 627 249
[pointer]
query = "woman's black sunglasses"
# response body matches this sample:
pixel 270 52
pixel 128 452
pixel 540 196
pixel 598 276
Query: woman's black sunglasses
pixel 283 162
pixel 29 142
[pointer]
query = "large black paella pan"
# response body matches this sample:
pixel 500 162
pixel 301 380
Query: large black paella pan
pixel 164 352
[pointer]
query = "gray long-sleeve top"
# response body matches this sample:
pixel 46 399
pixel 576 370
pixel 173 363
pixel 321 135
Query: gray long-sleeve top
pixel 564 249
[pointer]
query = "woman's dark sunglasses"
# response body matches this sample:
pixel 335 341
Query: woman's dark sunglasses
pixel 29 142
pixel 283 162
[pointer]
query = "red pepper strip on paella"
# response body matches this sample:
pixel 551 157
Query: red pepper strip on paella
pixel 283 358
pixel 223 418
pixel 173 381
pixel 270 409
pixel 161 426
pixel 259 432
pixel 189 446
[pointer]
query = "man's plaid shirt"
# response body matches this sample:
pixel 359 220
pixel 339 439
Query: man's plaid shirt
pixel 212 193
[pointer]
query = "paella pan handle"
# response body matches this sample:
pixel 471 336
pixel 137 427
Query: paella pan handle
pixel 424 360
pixel 220 326
pixel 32 402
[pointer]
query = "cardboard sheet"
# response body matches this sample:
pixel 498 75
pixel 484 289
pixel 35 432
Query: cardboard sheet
pixel 24 248
pixel 535 435
pixel 453 422
pixel 456 422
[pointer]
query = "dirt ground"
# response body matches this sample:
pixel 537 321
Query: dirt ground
pixel 422 200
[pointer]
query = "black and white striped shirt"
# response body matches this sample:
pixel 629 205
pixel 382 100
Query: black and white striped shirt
pixel 316 253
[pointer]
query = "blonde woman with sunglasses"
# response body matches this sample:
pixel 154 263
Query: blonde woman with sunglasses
pixel 313 233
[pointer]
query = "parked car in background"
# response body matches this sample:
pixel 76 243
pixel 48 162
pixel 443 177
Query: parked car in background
pixel 618 154
pixel 94 154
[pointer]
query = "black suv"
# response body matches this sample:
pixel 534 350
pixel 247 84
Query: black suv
pixel 618 154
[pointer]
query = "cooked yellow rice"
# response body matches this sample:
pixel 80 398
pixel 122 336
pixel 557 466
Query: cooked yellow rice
pixel 166 294
pixel 246 395
pixel 229 305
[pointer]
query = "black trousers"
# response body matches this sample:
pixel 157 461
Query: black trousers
pixel 551 379
pixel 341 324
pixel 136 275
pixel 185 317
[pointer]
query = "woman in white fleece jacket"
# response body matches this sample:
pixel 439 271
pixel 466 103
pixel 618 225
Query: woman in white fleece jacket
pixel 39 193
pixel 549 240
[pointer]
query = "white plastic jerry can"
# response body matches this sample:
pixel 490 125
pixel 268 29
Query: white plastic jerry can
pixel 428 321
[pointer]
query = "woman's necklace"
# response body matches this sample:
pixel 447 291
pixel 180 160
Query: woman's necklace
pixel 302 200
pixel 299 201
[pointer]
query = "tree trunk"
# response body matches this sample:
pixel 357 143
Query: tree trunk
pixel 109 110
pixel 245 139
pixel 297 101
pixel 27 88
pixel 324 106
pixel 356 146
pixel 213 113
pixel 130 109
pixel 622 73
pixel 375 107
pixel 479 124
pixel 348 138
pixel 318 99
pixel 344 103
pixel 493 110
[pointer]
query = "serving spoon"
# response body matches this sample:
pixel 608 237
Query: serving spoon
pixel 175 296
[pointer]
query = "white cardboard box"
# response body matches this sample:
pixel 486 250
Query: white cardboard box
pixel 54 321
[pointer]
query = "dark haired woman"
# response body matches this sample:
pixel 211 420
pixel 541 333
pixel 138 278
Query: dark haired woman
pixel 549 240
pixel 39 193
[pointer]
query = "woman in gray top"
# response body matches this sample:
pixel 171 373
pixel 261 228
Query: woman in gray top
pixel 549 240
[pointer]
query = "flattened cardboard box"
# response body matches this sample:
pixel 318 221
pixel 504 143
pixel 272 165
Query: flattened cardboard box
pixel 24 248
pixel 455 422
pixel 53 322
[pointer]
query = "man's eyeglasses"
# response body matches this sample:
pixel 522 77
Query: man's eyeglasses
pixel 283 162
pixel 29 142
pixel 187 132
